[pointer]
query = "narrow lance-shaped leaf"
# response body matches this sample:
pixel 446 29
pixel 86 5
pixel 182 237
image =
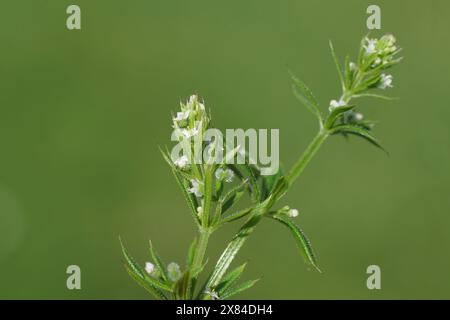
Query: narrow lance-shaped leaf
pixel 190 199
pixel 348 72
pixel 358 131
pixel 236 215
pixel 338 66
pixel 158 262
pixel 230 279
pixel 191 252
pixel 306 97
pixel 268 183
pixel 335 114
pixel 156 293
pixel 238 289
pixel 374 95
pixel 182 286
pixel 301 239
pixel 137 270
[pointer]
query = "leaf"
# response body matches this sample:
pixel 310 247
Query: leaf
pixel 338 66
pixel 268 183
pixel 137 270
pixel 153 291
pixel 231 250
pixel 348 72
pixel 158 262
pixel 238 289
pixel 335 114
pixel 279 190
pixel 256 193
pixel 360 132
pixel 302 241
pixel 190 199
pixel 230 198
pixel 236 215
pixel 182 286
pixel 305 96
pixel 191 252
pixel 230 279
pixel 372 95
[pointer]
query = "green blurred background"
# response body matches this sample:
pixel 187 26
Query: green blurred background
pixel 82 114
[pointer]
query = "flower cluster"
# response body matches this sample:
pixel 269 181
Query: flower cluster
pixel 376 56
pixel 190 122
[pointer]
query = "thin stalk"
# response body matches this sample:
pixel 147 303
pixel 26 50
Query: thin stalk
pixel 306 157
pixel 200 251
pixel 208 197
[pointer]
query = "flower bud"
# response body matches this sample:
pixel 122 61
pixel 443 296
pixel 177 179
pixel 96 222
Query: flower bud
pixel 173 271
pixel 149 267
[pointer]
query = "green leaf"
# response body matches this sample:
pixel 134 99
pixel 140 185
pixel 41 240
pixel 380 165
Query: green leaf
pixel 190 199
pixel 191 252
pixel 137 270
pixel 231 250
pixel 256 192
pixel 268 183
pixel 279 190
pixel 335 114
pixel 348 72
pixel 230 279
pixel 235 215
pixel 306 97
pixel 230 199
pixel 156 293
pixel 372 95
pixel 182 286
pixel 360 132
pixel 238 289
pixel 302 241
pixel 338 65
pixel 158 262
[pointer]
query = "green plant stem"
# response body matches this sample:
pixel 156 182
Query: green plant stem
pixel 208 197
pixel 306 157
pixel 239 239
pixel 200 251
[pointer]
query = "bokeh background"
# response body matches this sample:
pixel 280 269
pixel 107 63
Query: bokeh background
pixel 82 114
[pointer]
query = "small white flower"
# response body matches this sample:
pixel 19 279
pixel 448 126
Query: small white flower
pixel 149 267
pixel 359 116
pixel 181 162
pixel 376 62
pixel 292 213
pixel 371 46
pixel 386 81
pixel 227 175
pixel 196 188
pixel 183 115
pixel 193 99
pixel 189 133
pixel 199 211
pixel 336 104
pixel 186 133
